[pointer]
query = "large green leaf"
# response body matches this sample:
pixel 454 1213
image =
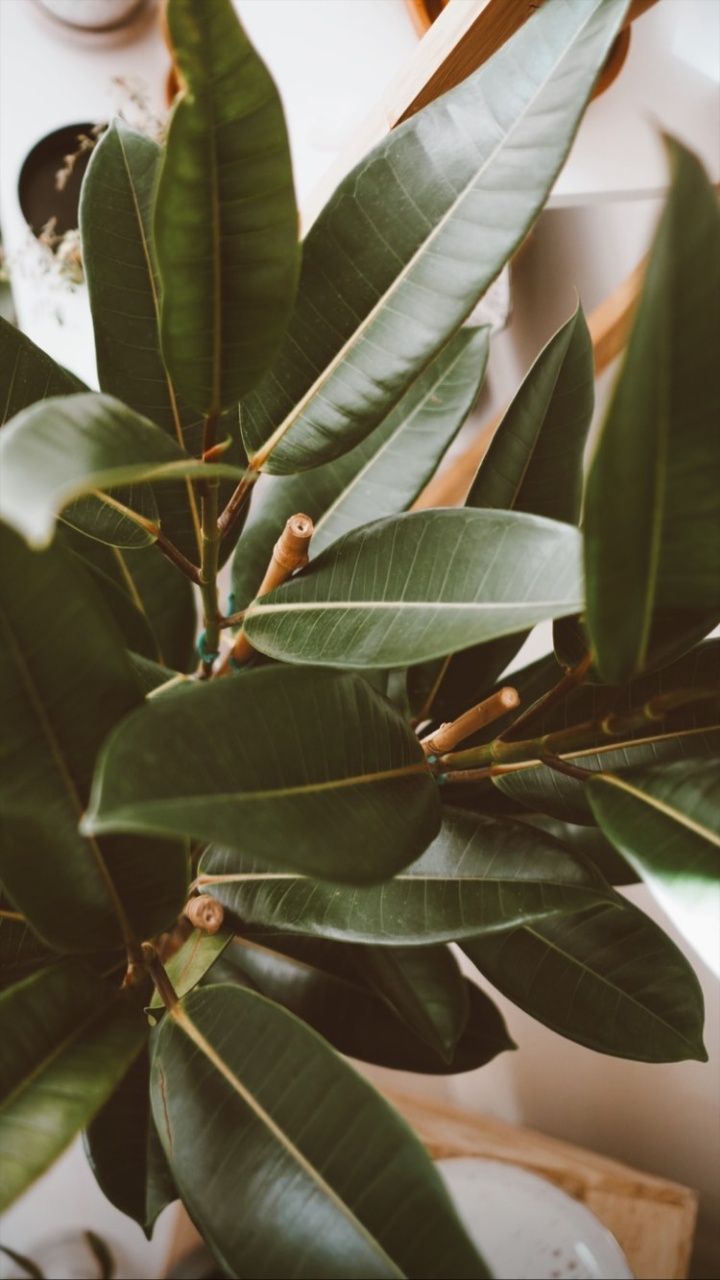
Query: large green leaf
pixel 652 505
pixel 419 586
pixel 355 1020
pixel 61 449
pixel 608 978
pixel 125 1153
pixel 311 770
pixel 116 207
pixel 225 219
pixel 65 681
pixel 479 874
pixel 107 575
pixel 379 477
pixel 534 462
pixel 334 1183
pixel 67 1041
pixel 665 820
pixel 418 230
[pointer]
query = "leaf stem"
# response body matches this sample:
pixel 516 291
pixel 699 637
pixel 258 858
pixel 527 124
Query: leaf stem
pixel 209 557
pixel 158 973
pixel 589 733
pixel 175 555
pixel 572 678
pixel 564 766
pixel 230 516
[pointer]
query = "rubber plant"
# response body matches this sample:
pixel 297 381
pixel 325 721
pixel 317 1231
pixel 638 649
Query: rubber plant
pixel 222 879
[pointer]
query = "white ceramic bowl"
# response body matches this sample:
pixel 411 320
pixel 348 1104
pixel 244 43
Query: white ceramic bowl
pixel 527 1228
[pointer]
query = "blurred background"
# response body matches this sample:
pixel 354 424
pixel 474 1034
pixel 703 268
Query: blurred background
pixel 68 66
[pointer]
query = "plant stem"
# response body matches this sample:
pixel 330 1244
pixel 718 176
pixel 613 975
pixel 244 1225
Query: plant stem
pixel 156 969
pixel 564 766
pixel 230 516
pixel 577 737
pixel 175 556
pixel 558 693
pixel 209 556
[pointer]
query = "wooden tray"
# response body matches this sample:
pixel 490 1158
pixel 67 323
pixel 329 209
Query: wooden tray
pixel 652 1219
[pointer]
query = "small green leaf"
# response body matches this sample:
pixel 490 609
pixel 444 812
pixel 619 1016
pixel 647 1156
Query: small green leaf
pixel 226 233
pixel 607 978
pixel 320 988
pixel 125 1153
pixel 419 586
pixel 281 761
pixel 64 448
pixel 664 820
pixel 479 874
pixel 334 1183
pixel 652 504
pixel 65 681
pixel 67 1041
pixel 417 231
pixel 534 462
pixel 197 954
pixel 379 477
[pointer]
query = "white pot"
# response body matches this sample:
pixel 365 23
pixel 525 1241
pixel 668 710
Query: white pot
pixel 92 15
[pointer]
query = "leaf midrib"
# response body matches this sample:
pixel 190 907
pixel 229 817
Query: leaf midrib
pixel 653 802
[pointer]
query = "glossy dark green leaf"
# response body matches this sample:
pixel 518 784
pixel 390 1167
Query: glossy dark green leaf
pixel 334 1183
pixel 665 819
pixel 416 233
pixel 116 222
pixel 425 988
pixel 419 586
pixel 379 477
pixel 652 505
pixel 311 770
pixel 589 843
pixel 534 462
pixel 196 956
pixel 478 874
pixel 607 978
pixel 61 449
pixel 65 681
pixel 67 1041
pixel 356 1020
pixel 225 219
pixel 125 1153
